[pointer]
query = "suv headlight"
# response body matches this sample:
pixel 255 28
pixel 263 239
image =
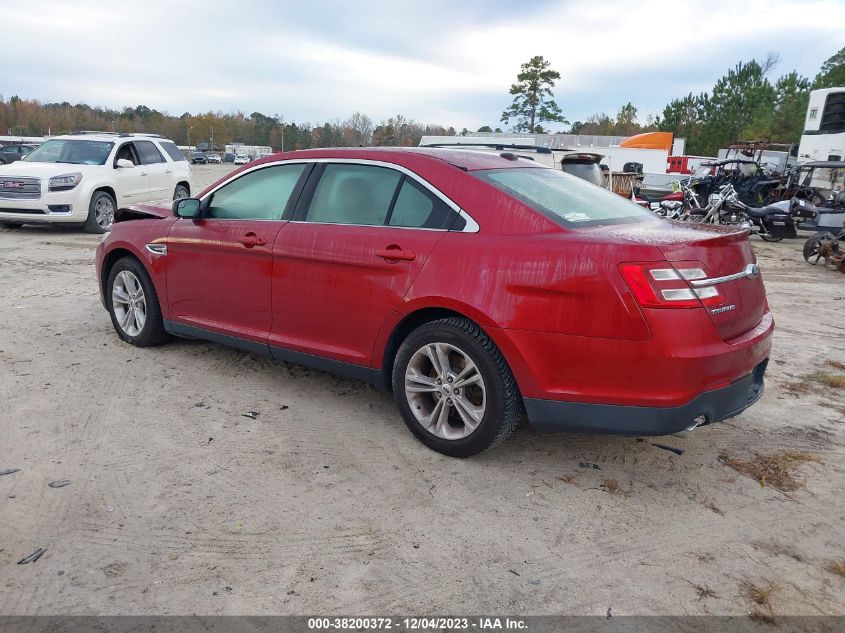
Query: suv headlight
pixel 65 182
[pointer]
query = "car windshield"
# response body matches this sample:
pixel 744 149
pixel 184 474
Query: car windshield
pixel 73 151
pixel 566 199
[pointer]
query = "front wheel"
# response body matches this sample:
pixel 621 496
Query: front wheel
pixel 454 388
pixel 180 192
pixel 812 247
pixel 133 304
pixel 100 212
pixel 768 238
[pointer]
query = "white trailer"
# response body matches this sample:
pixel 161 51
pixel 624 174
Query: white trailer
pixel 824 127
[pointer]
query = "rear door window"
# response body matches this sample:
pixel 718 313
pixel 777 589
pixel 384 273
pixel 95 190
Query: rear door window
pixel 149 153
pixel 353 194
pixel 417 208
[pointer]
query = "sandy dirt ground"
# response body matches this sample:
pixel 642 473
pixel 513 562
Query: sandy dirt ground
pixel 324 503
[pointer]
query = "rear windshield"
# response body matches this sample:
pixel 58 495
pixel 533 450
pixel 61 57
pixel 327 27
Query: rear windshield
pixel 566 199
pixel 172 151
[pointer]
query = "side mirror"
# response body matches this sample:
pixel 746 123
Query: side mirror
pixel 124 163
pixel 186 208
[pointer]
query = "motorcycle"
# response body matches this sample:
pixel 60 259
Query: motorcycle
pixel 772 223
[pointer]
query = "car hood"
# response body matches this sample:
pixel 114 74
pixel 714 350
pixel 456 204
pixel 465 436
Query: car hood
pixel 145 211
pixel 46 170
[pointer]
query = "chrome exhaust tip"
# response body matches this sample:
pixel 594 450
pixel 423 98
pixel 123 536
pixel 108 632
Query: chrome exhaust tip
pixel 695 423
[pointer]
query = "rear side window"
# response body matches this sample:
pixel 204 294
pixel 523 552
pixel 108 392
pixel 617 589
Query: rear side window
pixel 565 199
pixel 353 194
pixel 149 153
pixel 258 195
pixel 417 208
pixel 172 151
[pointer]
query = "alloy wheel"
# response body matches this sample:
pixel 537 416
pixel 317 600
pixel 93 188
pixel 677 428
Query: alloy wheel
pixel 129 303
pixel 445 391
pixel 104 212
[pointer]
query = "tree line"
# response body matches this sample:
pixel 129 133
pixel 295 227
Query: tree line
pixel 29 117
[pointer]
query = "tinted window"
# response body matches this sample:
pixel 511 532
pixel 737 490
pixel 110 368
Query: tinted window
pixel 353 194
pixel 11 149
pixel 586 171
pixel 564 198
pixel 149 153
pixel 258 195
pixel 172 151
pixel 418 208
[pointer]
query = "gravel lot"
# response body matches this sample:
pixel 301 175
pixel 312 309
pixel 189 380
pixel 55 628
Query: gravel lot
pixel 324 502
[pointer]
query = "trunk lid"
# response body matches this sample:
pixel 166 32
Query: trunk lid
pixel 721 252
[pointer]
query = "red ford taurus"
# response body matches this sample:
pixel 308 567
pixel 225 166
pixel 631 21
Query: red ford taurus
pixel 477 287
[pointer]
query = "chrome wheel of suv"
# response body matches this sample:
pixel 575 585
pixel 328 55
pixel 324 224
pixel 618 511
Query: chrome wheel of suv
pixel 445 391
pixel 104 212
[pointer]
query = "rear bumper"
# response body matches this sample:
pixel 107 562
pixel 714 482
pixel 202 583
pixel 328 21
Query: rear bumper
pixel 708 407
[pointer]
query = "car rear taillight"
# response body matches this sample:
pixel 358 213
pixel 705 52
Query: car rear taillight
pixel 663 285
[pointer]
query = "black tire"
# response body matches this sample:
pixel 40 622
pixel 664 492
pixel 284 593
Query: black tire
pixel 153 332
pixel 180 192
pixel 769 238
pixel 91 225
pixel 811 246
pixel 11 225
pixel 503 403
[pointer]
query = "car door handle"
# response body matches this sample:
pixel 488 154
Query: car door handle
pixel 143 173
pixel 251 239
pixel 394 253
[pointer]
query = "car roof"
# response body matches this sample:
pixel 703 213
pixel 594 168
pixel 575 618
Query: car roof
pixel 467 160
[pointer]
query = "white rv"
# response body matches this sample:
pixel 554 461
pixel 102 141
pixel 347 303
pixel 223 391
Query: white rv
pixel 824 128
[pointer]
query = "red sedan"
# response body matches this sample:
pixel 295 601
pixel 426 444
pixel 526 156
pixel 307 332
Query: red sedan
pixel 477 287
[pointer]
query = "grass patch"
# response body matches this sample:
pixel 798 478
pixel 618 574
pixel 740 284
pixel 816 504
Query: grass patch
pixel 836 567
pixel 775 470
pixel 610 485
pixel 837 381
pixel 758 594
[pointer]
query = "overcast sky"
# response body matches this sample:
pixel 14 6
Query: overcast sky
pixel 435 61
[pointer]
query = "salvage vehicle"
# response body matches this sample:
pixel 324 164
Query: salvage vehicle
pixel 474 286
pixel 199 158
pixel 13 153
pixel 213 158
pixel 80 178
pixel 752 184
pixel 241 159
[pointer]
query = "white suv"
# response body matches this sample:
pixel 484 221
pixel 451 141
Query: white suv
pixel 85 177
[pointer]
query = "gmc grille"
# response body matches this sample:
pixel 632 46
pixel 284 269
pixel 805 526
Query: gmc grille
pixel 20 188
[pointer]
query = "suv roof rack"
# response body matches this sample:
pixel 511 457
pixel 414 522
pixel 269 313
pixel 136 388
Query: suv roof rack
pixel 496 146
pixel 118 134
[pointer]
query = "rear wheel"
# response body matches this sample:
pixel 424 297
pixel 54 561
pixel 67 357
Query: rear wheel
pixel 454 388
pixel 100 212
pixel 133 304
pixel 812 247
